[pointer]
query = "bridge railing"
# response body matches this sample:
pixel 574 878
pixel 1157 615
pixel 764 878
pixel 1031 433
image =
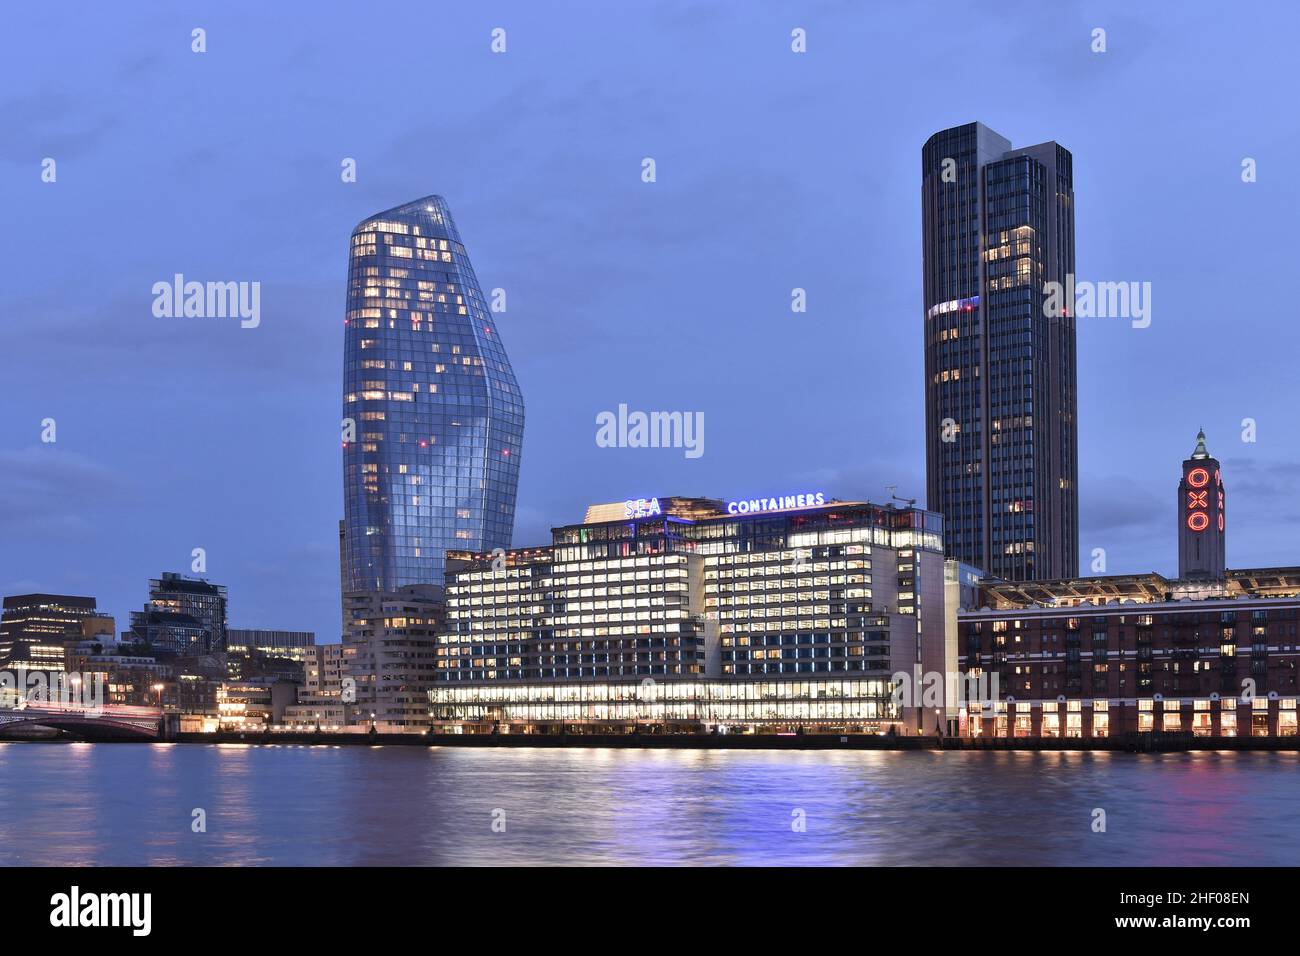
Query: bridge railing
pixel 88 710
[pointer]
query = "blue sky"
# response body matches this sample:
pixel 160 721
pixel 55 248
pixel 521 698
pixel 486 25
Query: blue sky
pixel 774 171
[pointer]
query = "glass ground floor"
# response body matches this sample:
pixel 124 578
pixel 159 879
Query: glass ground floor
pixel 831 705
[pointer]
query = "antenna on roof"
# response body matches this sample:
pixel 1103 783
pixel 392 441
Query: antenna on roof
pixel 910 502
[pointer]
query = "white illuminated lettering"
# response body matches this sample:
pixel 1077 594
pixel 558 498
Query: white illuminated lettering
pixel 807 499
pixel 641 508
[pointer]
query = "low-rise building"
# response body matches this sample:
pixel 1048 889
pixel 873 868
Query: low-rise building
pixel 194 695
pixel 254 704
pixel 127 674
pixel 267 653
pixel 387 662
pixel 1109 655
pixel 1212 652
pixel 320 700
pixel 693 614
pixel 35 627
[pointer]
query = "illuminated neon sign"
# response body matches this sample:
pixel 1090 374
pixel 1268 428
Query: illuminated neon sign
pixel 641 508
pixel 1198 502
pixel 783 503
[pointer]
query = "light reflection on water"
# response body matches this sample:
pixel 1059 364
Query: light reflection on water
pixel 127 804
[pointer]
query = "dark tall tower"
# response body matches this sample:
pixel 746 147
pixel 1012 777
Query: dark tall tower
pixel 1201 514
pixel 438 417
pixel 1000 406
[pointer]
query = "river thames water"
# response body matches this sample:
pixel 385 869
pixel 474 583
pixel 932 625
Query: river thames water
pixel 133 804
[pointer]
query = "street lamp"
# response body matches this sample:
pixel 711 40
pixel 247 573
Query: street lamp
pixel 158 689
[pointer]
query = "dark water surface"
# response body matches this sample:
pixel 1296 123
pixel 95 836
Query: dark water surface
pixel 129 804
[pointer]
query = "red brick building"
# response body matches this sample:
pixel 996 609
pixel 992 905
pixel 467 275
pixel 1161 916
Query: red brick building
pixel 1106 655
pixel 1213 652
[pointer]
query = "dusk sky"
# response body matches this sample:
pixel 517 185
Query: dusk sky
pixel 775 170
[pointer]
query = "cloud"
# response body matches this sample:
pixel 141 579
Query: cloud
pixel 119 335
pixel 45 490
pixel 53 124
pixel 1113 503
pixel 1269 481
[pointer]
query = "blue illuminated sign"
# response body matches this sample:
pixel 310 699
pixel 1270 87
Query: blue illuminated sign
pixel 785 502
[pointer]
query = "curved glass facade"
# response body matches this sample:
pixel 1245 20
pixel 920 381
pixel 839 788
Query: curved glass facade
pixel 439 419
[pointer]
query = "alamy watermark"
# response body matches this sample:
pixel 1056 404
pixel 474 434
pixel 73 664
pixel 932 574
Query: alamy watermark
pixel 209 300
pixel 624 429
pixel 1098 300
pixel 944 689
pixel 74 909
pixel 83 691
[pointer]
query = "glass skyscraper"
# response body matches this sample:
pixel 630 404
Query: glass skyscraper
pixel 438 417
pixel 1000 403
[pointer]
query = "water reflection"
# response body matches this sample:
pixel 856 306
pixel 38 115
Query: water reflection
pixel 293 805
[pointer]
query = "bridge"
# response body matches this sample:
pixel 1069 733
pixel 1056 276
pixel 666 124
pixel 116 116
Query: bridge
pixel 109 722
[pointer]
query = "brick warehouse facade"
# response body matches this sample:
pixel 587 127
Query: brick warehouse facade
pixel 1211 653
pixel 1111 655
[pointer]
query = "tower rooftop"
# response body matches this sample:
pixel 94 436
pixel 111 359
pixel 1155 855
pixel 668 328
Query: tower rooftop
pixel 1200 451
